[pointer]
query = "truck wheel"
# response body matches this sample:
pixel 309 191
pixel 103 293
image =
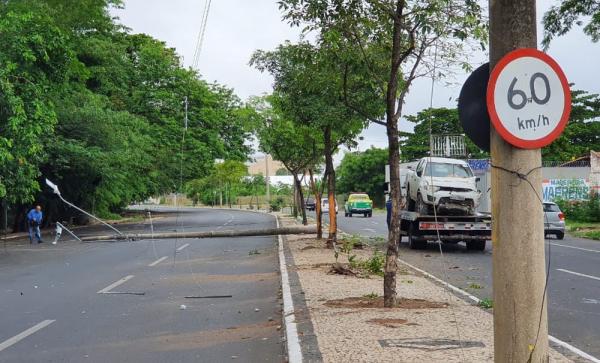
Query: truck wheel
pixel 345 214
pixel 422 208
pixel 350 214
pixel 370 214
pixel 413 242
pixel 560 235
pixel 366 215
pixel 476 245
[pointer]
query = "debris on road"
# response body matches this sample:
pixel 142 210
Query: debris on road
pixel 182 307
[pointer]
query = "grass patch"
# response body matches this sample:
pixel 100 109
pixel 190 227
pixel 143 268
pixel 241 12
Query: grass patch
pixel 584 230
pixel 486 303
pixel 475 286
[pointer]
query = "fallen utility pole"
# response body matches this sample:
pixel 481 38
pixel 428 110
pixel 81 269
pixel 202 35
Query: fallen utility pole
pixel 312 229
pixel 520 315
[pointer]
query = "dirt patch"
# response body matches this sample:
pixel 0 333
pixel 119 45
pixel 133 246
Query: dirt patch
pixel 376 303
pixel 308 248
pixel 388 323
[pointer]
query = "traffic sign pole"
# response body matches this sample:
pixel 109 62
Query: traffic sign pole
pixel 520 315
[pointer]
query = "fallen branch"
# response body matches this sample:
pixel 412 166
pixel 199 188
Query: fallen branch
pixel 312 229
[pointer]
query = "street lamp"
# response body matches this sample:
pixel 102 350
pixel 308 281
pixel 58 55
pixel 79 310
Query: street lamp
pixel 56 191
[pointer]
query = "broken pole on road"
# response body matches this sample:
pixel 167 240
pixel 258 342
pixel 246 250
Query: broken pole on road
pixel 312 229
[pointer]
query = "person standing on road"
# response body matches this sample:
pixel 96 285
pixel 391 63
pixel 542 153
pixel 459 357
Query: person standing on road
pixel 388 208
pixel 34 220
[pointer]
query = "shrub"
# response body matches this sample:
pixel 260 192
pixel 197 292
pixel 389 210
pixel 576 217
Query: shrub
pixel 276 204
pixel 581 211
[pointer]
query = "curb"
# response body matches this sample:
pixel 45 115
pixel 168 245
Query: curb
pixel 308 339
pixel 291 330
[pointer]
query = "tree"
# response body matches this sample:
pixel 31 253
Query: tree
pixel 415 145
pixel 308 85
pixel 228 175
pixel 397 41
pixel 100 110
pixel 35 57
pixel 364 172
pixel 561 18
pixel 582 133
pixel 296 146
pixel 307 89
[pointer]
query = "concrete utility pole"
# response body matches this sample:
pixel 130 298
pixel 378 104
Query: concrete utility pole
pixel 520 311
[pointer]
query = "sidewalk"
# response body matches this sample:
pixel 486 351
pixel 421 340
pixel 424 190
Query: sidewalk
pixel 350 324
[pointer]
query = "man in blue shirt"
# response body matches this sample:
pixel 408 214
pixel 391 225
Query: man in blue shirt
pixel 34 220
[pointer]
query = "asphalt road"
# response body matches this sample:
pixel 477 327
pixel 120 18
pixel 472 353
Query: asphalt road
pixel 53 310
pixel 573 288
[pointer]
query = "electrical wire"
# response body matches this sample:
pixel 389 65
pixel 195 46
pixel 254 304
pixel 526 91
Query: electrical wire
pixel 201 32
pixel 524 177
pixel 435 217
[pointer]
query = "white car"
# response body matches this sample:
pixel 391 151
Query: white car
pixel 325 206
pixel 447 184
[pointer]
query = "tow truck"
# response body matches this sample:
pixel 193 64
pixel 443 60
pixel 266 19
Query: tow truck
pixel 475 230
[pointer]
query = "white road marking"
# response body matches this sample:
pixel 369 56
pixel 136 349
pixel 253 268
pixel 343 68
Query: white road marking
pixel 182 247
pixel 557 341
pixel 291 330
pixel 11 341
pixel 577 351
pixel 578 274
pixel 369 230
pixel 577 248
pixel 115 284
pixel 158 261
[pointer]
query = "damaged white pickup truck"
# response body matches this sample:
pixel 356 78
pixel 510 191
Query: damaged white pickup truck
pixel 447 184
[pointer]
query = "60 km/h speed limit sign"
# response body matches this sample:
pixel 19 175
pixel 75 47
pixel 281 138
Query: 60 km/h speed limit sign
pixel 528 98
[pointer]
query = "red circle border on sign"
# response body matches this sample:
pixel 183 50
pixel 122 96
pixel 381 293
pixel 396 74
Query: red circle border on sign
pixel 504 133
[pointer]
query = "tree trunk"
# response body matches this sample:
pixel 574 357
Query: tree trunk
pixel 317 193
pixel 295 200
pixel 332 238
pixel 391 260
pixel 301 199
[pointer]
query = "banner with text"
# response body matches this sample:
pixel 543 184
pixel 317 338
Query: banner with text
pixel 566 189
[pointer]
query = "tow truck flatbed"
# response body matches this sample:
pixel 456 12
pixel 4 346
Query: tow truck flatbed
pixel 474 230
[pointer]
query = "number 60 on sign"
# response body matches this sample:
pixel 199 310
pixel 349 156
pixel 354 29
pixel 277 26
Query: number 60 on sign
pixel 528 99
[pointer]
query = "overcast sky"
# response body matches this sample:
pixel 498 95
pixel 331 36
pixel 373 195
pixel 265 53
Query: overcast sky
pixel 236 28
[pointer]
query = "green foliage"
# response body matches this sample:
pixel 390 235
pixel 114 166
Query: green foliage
pixel 226 178
pixel 34 59
pixel 277 204
pixel 581 211
pixel 486 303
pixel 582 133
pixel 363 172
pixel 444 121
pixel 100 111
pixel 561 18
